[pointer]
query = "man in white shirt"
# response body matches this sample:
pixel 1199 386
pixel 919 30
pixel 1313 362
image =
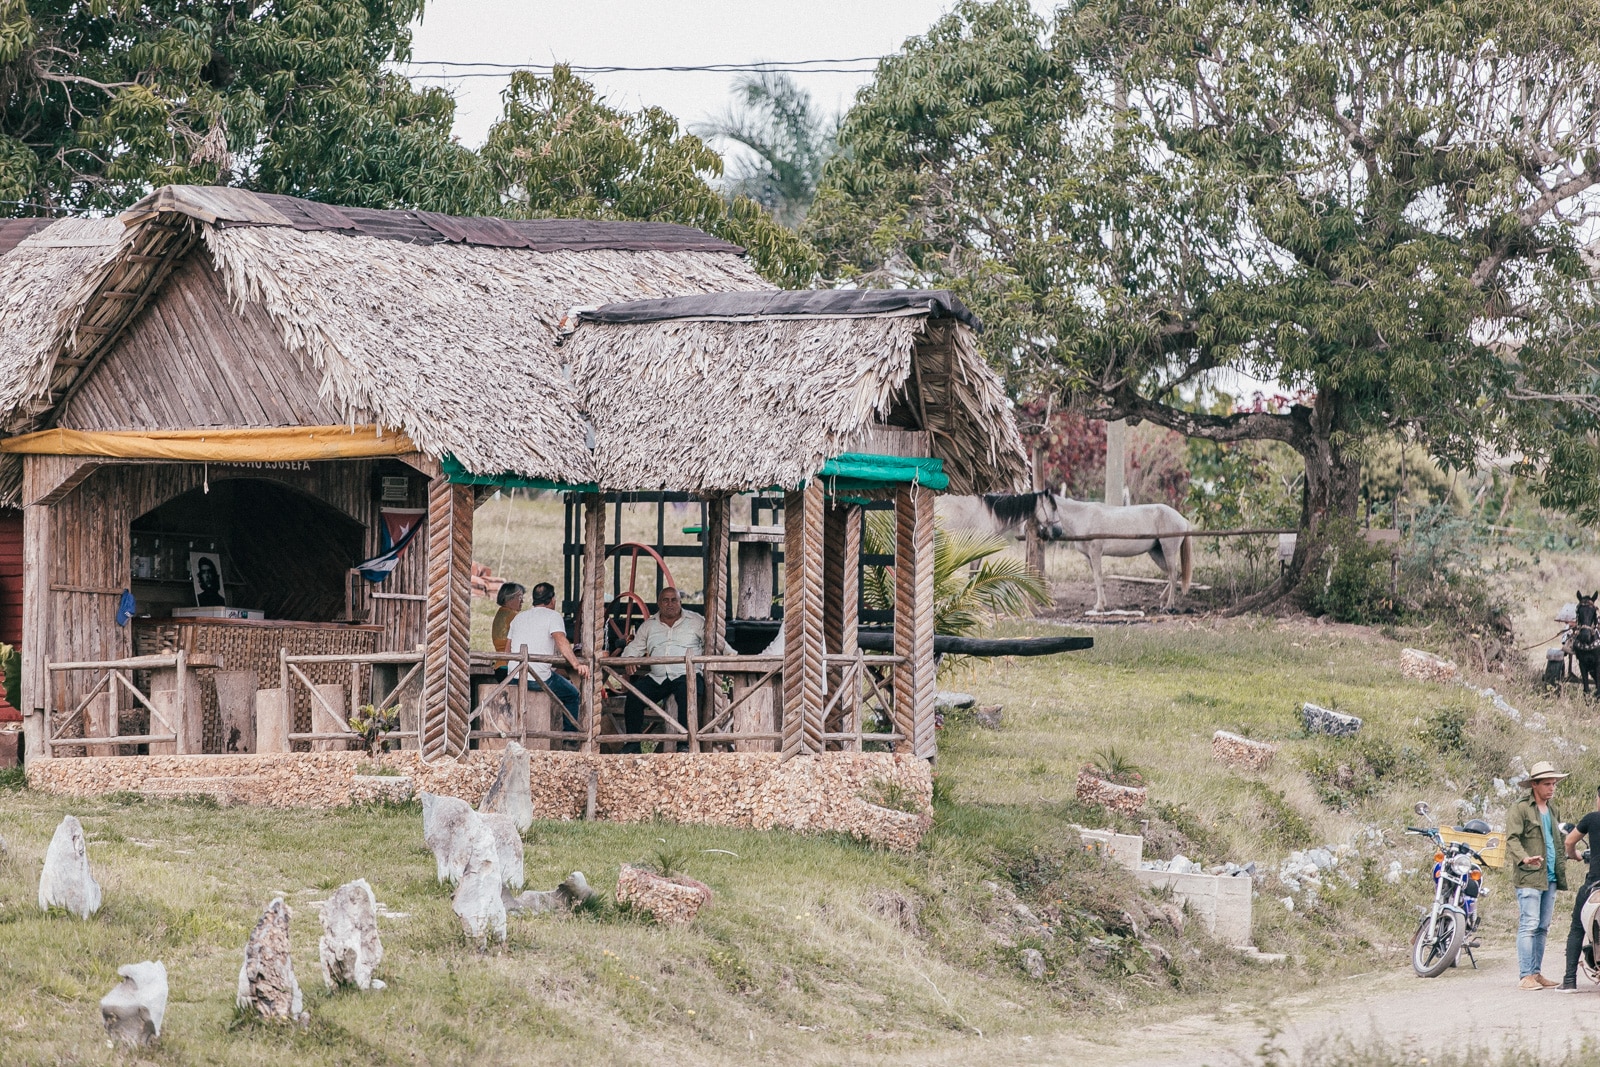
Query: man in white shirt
pixel 543 632
pixel 674 633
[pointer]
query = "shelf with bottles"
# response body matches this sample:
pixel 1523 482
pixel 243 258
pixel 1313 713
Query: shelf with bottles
pixel 163 556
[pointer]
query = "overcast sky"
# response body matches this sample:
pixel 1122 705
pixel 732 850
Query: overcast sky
pixel 662 32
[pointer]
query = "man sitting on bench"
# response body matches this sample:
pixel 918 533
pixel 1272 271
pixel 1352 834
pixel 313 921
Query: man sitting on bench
pixel 543 632
pixel 673 633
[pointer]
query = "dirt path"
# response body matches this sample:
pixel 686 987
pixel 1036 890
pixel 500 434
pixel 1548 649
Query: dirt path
pixel 1461 1010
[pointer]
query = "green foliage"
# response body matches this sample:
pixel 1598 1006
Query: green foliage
pixel 13 778
pixel 560 150
pixel 1147 191
pixel 11 674
pixel 670 861
pixel 790 140
pixel 1111 764
pixel 971 578
pixel 371 724
pixel 892 795
pixel 1346 772
pixel 1445 728
pixel 1350 578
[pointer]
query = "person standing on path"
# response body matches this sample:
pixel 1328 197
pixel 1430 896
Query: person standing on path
pixel 1532 827
pixel 1588 826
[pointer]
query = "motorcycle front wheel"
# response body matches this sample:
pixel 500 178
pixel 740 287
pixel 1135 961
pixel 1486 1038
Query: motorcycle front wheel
pixel 1432 957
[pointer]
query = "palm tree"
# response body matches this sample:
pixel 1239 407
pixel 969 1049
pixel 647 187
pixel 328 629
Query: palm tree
pixel 971 579
pixel 790 141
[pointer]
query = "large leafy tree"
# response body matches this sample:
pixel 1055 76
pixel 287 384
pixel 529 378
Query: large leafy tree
pixel 103 100
pixel 560 149
pixel 1382 206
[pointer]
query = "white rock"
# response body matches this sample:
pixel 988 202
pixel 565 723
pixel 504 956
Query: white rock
pixel 267 983
pixel 447 829
pixel 1033 964
pixel 350 948
pixel 477 901
pixel 511 793
pixel 1500 787
pixel 508 849
pixel 1288 903
pixel 66 881
pixel 1392 875
pixel 133 1010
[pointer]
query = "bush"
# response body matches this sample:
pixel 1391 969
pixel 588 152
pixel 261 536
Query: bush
pixel 1350 579
pixel 1346 772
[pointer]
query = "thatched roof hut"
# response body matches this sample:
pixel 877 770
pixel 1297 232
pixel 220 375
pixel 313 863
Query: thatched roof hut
pixel 726 392
pixel 436 327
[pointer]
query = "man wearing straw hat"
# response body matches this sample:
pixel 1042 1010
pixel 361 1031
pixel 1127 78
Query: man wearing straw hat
pixel 1532 829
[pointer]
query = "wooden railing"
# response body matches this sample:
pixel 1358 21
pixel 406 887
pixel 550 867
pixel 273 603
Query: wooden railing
pixel 113 677
pixel 335 721
pixel 519 666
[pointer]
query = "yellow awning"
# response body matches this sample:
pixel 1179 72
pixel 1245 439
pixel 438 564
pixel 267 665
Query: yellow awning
pixel 263 445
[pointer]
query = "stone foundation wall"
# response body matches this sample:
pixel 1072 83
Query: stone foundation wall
pixel 817 794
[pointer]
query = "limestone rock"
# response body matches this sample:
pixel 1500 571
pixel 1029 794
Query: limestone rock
pixel 511 792
pixel 1425 666
pixel 1235 751
pixel 507 847
pixel 1128 799
pixel 477 902
pixel 674 900
pixel 267 984
pixel 447 824
pixel 350 947
pixel 65 881
pixel 953 701
pixel 571 893
pixel 1033 964
pixel 1320 720
pixel 133 1010
pixel 890 828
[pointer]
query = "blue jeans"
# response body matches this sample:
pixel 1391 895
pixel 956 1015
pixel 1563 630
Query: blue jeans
pixel 567 693
pixel 1535 908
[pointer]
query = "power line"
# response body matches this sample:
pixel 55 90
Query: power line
pixel 456 69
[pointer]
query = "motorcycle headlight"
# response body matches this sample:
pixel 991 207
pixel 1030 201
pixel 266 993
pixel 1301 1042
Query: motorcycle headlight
pixel 1461 865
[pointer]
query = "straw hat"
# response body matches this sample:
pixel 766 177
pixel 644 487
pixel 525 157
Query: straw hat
pixel 1543 770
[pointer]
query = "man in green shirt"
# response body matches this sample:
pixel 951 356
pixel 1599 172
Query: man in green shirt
pixel 1532 828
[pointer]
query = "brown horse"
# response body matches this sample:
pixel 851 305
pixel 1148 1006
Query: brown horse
pixel 1586 642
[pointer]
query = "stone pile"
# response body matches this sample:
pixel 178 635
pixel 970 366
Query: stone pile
pixel 350 948
pixel 897 831
pixel 267 984
pixel 65 881
pixel 1128 799
pixel 133 1010
pixel 674 900
pixel 1425 666
pixel 1234 751
pixel 466 851
pixel 1321 720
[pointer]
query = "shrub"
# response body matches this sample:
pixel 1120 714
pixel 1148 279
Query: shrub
pixel 1346 772
pixel 1350 580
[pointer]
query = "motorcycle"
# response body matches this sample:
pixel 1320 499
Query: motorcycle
pixel 1451 922
pixel 1590 917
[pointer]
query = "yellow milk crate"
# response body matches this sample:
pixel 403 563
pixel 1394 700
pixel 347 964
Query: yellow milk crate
pixel 1491 846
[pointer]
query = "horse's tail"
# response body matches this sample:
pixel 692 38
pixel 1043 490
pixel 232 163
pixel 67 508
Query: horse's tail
pixel 1186 559
pixel 1012 508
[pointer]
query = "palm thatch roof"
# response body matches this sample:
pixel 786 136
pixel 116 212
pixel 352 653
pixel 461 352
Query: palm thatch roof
pixel 694 374
pixel 736 391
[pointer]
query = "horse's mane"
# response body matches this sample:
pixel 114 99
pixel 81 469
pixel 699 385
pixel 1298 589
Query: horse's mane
pixel 1012 508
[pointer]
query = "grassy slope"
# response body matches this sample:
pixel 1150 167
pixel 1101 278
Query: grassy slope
pixel 793 940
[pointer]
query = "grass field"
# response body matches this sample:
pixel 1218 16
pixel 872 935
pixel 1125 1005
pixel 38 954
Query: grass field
pixel 805 956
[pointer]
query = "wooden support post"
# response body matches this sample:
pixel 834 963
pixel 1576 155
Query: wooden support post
pixel 36 635
pixel 913 620
pixel 755 580
pixel 804 675
pixel 592 615
pixel 841 599
pixel 446 697
pixel 273 725
pixel 716 577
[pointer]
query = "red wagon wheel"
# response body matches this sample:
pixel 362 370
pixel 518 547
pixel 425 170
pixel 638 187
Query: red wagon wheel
pixel 638 610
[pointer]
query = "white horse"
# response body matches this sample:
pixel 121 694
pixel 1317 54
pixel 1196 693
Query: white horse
pixel 1060 518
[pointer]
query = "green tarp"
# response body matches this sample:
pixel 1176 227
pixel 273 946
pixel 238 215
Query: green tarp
pixel 853 470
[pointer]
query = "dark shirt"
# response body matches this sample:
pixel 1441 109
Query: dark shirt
pixel 1589 826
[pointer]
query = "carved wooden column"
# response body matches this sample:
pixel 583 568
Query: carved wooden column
pixel 718 513
pixel 841 602
pixel 592 615
pixel 913 620
pixel 804 676
pixel 446 694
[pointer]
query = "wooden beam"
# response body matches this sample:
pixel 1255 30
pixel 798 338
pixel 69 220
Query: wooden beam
pixel 804 668
pixel 913 621
pixel 446 695
pixel 48 479
pixel 592 614
pixel 35 626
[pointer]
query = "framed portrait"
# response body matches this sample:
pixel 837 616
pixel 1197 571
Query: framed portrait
pixel 205 568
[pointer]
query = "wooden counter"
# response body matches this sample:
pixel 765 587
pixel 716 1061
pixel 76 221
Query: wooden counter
pixel 253 645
